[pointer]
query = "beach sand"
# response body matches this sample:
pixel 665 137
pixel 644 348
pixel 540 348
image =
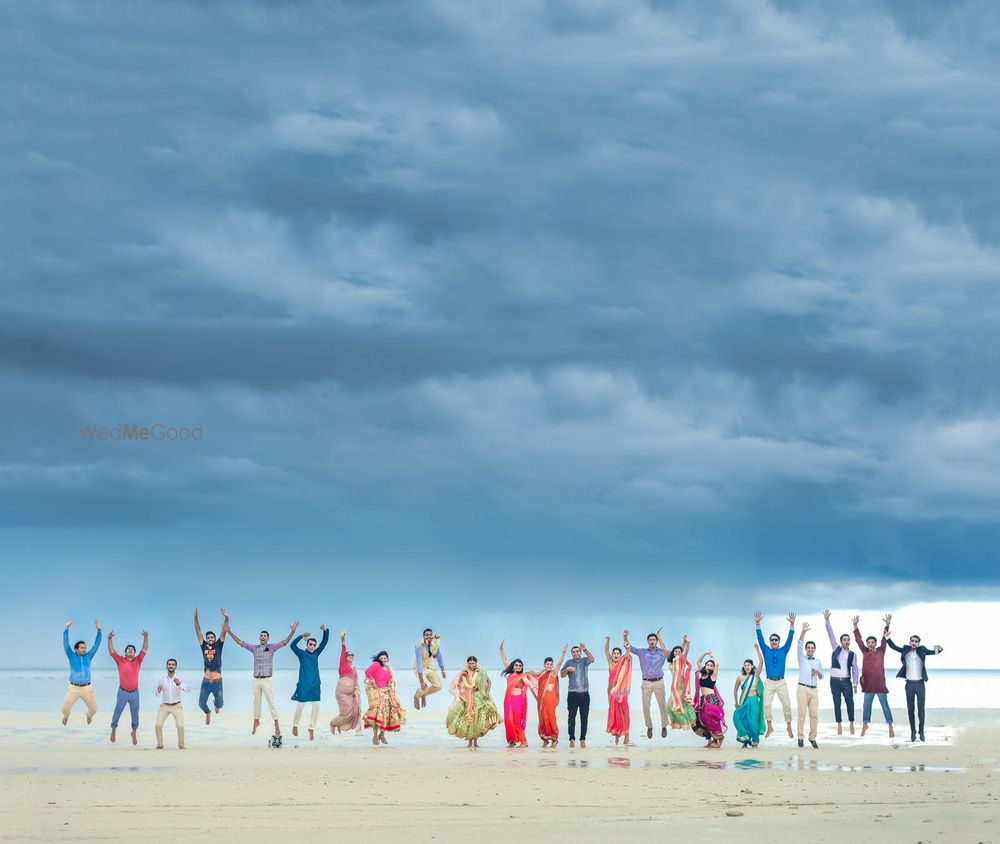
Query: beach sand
pixel 69 784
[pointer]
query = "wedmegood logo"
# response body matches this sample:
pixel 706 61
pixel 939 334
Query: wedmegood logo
pixel 157 433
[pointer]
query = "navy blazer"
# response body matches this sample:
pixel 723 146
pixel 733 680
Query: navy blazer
pixel 922 652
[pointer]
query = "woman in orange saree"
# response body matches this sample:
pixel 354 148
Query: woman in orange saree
pixel 619 684
pixel 515 704
pixel 548 699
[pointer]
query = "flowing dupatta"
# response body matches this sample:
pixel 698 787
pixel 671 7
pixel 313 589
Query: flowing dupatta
pixel 620 677
pixel 680 685
pixel 466 692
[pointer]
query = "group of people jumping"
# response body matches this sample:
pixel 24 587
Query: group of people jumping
pixel 694 702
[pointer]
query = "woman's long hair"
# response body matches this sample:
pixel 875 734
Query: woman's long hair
pixel 379 655
pixel 510 668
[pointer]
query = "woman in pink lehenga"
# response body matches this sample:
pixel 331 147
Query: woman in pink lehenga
pixel 619 684
pixel 348 692
pixel 710 713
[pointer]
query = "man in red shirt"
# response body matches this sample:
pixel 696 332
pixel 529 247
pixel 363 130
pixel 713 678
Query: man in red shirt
pixel 128 682
pixel 873 674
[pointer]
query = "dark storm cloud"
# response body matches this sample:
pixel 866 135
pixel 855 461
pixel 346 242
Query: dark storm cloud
pixel 590 284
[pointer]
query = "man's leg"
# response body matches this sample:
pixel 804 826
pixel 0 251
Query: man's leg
pixel 572 706
pixel 837 690
pixel 802 701
pixel 866 710
pixel 921 696
pixel 813 713
pixel 883 699
pixel 661 702
pixel 206 687
pixel 781 690
pixel 268 687
pixel 217 694
pixel 314 716
pixel 849 700
pixel 72 696
pixel 768 703
pixel 647 696
pixel 258 689
pixel 433 681
pixel 584 713
pixel 120 702
pixel 179 721
pixel 911 699
pixel 91 701
pixel 297 716
pixel 133 708
pixel 161 716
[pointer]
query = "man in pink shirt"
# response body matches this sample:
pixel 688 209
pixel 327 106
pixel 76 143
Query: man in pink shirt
pixel 128 682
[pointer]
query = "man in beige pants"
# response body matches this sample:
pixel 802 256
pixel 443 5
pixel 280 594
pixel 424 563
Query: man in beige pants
pixel 810 673
pixel 775 655
pixel 651 660
pixel 80 687
pixel 263 668
pixel 170 688
pixel 426 653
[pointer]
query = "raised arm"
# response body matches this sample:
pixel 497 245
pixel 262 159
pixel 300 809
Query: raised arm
pixel 736 690
pixel 829 629
pixel 295 644
pixel 324 639
pixel 857 633
pixel 894 646
pixel 791 632
pixel 628 645
pixel 659 639
pixel 97 638
pixel 111 645
pixel 757 618
pixel 291 632
pixel 145 641
pixel 715 670
pixel 760 659
pixel 590 656
pixel 225 626
pixel 607 649
pixel 66 647
pixel 237 639
pixel 197 627
pixel 503 655
pixel 686 644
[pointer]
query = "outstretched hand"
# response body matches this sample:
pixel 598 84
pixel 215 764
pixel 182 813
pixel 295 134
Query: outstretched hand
pixel 323 627
pixel 805 626
pixel 758 618
pixel 69 624
pixel 887 619
pixel 295 626
pixel 791 619
pixel 826 615
pixel 343 635
pixel 144 633
pixel 97 624
pixel 856 620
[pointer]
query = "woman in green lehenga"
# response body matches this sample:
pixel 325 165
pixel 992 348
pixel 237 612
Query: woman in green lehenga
pixel 748 717
pixel 474 713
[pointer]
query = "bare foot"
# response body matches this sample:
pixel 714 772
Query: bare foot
pixel 892 733
pixel 65 720
pixel 208 717
pixel 181 747
pixel 375 737
pixel 333 729
pixel 572 742
pixel 475 744
pixel 523 744
pixel 90 718
pixel 113 733
pixel 840 729
pixel 555 741
pixel 770 730
pixel 864 729
pixel 295 729
pixel 382 738
pixel 159 747
pixel 256 724
pixel 416 700
pixel 135 738
pixel 582 743
pixel 788 724
pixel 617 739
pixel 312 734
pixel 545 742
pixel 852 728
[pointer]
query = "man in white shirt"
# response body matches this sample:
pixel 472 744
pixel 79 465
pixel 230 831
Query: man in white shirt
pixel 810 672
pixel 170 688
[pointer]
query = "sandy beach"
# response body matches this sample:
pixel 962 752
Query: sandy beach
pixel 72 785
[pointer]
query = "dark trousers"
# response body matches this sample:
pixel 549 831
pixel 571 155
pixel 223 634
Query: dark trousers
pixel 213 688
pixel 841 688
pixel 578 702
pixel 915 692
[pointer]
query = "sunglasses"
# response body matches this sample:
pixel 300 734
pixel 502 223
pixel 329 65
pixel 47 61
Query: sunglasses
pixel 350 653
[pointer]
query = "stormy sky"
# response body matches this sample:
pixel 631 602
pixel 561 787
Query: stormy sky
pixel 493 314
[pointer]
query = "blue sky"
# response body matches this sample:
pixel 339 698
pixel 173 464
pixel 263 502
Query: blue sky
pixel 490 310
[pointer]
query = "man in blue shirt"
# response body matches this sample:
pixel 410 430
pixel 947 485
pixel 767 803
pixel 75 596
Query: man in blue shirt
pixel 775 655
pixel 79 674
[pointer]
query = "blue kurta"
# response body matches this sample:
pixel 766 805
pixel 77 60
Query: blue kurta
pixel 307 689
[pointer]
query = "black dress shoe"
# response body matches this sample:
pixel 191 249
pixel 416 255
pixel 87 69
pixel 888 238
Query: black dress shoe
pixel 649 732
pixel 663 733
pixel 922 736
pixel 801 743
pixel 813 743
pixel 913 736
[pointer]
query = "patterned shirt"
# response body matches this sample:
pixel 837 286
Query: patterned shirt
pixel 263 657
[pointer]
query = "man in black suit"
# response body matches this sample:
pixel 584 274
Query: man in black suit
pixel 915 673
